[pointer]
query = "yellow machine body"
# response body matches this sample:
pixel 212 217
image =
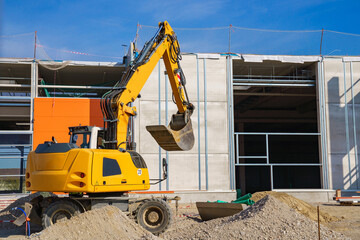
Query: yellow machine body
pixel 57 167
pixel 86 170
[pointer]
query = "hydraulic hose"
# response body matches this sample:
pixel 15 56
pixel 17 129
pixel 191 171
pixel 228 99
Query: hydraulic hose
pixel 27 226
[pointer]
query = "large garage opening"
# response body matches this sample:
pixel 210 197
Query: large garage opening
pixel 276 126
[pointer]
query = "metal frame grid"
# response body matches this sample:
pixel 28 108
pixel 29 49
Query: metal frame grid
pixel 268 164
pixel 234 136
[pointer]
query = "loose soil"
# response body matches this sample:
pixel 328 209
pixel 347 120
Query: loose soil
pixel 300 206
pixel 269 218
pixel 105 223
pixel 349 224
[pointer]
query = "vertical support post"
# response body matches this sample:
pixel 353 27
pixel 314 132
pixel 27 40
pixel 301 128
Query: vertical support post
pixel 267 148
pixel 354 125
pixel 237 148
pixel 231 123
pixel 33 94
pixel 166 123
pixel 230 132
pixel 159 106
pixel 206 137
pixel 347 125
pixel 21 148
pixel 198 115
pixel 324 133
pixel 232 116
pixel 321 124
pixel 271 177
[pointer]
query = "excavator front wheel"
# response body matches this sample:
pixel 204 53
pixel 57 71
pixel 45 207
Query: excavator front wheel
pixel 154 215
pixel 58 211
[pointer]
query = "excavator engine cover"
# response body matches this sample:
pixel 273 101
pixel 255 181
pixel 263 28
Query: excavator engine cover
pixel 176 137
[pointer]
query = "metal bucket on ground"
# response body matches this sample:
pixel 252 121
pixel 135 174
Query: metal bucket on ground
pixel 212 210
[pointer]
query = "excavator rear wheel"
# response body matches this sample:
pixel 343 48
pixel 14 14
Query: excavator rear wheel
pixel 154 215
pixel 58 211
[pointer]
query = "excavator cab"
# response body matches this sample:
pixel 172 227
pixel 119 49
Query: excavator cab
pixel 86 136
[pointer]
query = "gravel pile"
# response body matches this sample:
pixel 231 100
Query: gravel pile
pixel 104 223
pixel 269 218
pixel 300 206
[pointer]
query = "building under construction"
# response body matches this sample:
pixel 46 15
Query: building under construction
pixel 262 122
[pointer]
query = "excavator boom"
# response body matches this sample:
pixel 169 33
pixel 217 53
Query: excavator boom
pixel 117 106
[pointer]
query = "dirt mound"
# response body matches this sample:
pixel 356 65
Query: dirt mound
pixel 269 218
pixel 300 206
pixel 104 223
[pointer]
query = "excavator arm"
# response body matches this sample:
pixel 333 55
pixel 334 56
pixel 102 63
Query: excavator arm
pixel 116 104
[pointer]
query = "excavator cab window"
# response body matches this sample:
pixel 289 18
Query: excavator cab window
pixel 82 140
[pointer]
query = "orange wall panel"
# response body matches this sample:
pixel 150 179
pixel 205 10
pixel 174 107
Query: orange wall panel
pixel 54 116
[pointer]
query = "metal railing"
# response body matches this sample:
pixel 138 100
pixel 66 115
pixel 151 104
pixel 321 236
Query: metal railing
pixel 267 151
pixel 14 148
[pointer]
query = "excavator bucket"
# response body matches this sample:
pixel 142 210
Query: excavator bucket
pixel 173 138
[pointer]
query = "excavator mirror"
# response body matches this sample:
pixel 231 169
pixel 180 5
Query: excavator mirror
pixel 165 168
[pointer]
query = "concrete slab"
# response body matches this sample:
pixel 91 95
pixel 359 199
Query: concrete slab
pixel 194 196
pixel 311 195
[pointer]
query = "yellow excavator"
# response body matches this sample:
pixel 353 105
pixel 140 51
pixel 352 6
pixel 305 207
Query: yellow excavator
pixel 99 166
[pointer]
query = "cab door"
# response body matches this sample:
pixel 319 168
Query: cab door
pixel 107 168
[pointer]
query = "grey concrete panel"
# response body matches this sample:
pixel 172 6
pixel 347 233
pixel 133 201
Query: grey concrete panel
pixel 217 126
pixel 334 81
pixel 215 76
pixel 219 172
pixel 184 172
pixel 216 79
pixel 342 172
pixel 336 128
pixel 356 83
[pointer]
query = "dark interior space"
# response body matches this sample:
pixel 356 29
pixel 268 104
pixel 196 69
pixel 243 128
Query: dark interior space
pixel 278 102
pixel 15 79
pixel 257 178
pixel 98 80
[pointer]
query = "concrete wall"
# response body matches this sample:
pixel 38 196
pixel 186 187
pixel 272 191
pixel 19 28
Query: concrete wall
pixel 184 166
pixel 343 150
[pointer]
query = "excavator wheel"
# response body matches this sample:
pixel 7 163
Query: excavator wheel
pixel 154 215
pixel 58 211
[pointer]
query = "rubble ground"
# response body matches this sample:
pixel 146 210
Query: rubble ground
pixel 271 217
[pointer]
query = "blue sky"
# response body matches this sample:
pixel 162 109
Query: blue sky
pixel 102 27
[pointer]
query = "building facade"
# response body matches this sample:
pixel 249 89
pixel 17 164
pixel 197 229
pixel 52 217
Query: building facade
pixel 262 122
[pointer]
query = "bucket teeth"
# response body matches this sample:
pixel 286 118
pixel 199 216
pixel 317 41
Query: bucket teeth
pixel 172 140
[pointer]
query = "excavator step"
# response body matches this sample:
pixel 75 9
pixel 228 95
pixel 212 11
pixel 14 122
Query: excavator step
pixel 172 140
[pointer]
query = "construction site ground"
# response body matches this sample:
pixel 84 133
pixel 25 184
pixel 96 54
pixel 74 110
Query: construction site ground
pixel 279 216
